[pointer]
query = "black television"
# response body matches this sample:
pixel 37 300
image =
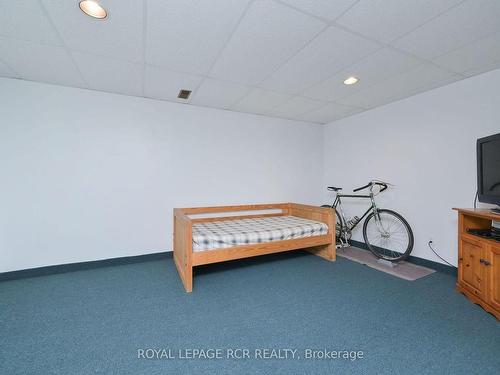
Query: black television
pixel 488 170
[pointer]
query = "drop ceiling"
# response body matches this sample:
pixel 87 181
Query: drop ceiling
pixel 279 58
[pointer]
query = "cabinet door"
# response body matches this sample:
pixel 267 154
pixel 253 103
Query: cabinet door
pixel 472 273
pixel 493 272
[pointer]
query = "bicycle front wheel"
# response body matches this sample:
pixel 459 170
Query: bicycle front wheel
pixel 388 235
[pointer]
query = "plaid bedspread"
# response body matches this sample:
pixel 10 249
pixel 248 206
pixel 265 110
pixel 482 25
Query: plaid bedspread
pixel 228 233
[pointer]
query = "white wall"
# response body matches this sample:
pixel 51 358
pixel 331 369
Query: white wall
pixel 87 175
pixel 426 146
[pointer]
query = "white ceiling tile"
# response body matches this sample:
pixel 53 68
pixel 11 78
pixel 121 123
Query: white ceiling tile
pixel 473 57
pixel 120 35
pixel 295 107
pixel 463 24
pixel 482 69
pixel 213 93
pixel 425 76
pixel 40 62
pixel 329 52
pixel 428 86
pixel 269 34
pixel 25 19
pixel 370 70
pixel 386 20
pixel 187 36
pixel 260 101
pixel 327 9
pixel 6 71
pixel 329 112
pixel 165 84
pixel 297 60
pixel 107 74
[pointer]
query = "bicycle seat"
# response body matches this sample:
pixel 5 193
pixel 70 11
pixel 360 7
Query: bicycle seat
pixel 333 188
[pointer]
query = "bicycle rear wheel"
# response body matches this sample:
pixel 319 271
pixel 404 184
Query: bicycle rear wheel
pixel 339 224
pixel 388 235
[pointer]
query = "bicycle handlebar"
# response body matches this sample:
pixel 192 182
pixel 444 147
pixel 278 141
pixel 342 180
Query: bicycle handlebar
pixel 362 187
pixel 380 183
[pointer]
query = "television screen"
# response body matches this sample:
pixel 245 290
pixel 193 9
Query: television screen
pixel 488 152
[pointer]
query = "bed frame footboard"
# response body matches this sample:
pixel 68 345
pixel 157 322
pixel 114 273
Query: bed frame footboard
pixel 325 215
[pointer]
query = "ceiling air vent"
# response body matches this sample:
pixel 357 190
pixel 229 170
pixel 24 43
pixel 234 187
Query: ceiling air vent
pixel 184 94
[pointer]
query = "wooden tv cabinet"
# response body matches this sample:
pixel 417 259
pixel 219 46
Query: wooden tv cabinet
pixel 478 260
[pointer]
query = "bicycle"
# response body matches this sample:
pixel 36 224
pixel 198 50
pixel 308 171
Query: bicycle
pixel 386 233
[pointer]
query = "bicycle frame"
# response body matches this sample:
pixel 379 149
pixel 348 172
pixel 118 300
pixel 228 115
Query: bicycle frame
pixel 337 204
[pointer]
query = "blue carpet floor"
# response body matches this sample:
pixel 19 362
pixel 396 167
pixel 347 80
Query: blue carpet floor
pixel 94 321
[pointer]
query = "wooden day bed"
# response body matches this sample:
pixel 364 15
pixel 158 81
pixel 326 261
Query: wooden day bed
pixel 206 240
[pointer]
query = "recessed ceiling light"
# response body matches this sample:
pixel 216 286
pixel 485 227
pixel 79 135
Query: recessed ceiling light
pixel 350 81
pixel 93 9
pixel 184 94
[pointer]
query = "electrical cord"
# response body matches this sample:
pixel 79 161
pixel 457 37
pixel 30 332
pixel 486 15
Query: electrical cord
pixel 439 256
pixel 430 242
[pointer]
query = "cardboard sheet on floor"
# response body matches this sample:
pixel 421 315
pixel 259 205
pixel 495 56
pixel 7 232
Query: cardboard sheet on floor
pixel 403 270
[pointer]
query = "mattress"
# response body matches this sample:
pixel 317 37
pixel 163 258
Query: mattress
pixel 228 233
